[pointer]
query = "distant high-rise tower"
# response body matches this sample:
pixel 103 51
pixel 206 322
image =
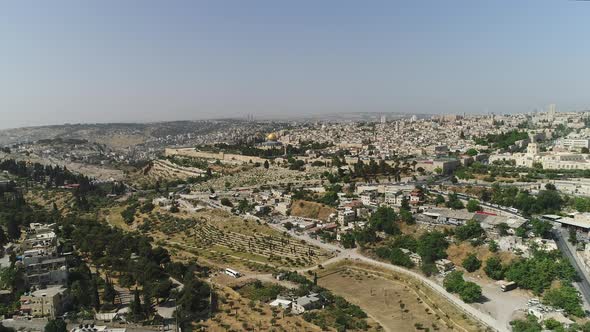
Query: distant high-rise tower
pixel 414 118
pixel 551 112
pixel 383 118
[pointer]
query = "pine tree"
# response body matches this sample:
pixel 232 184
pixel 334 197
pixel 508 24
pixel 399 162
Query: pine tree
pixel 136 308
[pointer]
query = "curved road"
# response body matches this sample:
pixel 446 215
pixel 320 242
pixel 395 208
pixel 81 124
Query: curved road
pixel 354 255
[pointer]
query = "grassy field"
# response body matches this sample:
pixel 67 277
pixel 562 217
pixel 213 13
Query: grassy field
pixel 397 302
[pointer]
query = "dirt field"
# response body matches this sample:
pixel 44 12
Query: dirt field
pixel 313 210
pixel 397 304
pixel 457 254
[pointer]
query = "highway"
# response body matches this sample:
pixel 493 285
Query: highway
pixel 566 249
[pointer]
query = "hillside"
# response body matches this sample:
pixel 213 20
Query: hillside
pixel 307 209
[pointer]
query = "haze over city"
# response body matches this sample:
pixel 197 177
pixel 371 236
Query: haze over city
pixel 141 61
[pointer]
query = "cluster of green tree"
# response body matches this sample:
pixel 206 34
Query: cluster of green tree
pixel 471 263
pixel 127 255
pixel 195 301
pixel 51 176
pixel 473 205
pixel 471 229
pixel 581 204
pixel 381 168
pixel 16 213
pixel 339 177
pixel 12 278
pixel 296 164
pixel 431 247
pixel 453 202
pixel 132 259
pixel 384 219
pixel 531 324
pixel 565 297
pixel 258 291
pixel 468 291
pixel 546 201
pixel 250 149
pixel 502 140
pixel 535 273
pixel 56 325
pixel 392 251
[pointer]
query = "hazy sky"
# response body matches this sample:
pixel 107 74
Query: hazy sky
pixel 123 60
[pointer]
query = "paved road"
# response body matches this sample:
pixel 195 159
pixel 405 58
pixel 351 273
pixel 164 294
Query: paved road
pixel 352 254
pixel 570 254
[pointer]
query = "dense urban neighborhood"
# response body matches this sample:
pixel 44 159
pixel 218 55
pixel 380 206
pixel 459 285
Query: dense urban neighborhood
pixel 454 222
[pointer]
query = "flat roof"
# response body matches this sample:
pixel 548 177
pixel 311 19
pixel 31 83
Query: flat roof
pixel 573 222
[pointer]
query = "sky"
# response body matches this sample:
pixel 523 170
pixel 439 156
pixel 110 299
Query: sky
pixel 143 61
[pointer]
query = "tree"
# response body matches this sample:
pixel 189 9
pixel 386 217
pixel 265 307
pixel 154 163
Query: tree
pixel 13 228
pixel 226 202
pixel 432 246
pixel 494 268
pixel 573 238
pixel 471 263
pixel 503 229
pixel 56 325
pixel 384 220
pixel 407 216
pixel 266 164
pixel 453 282
pixel 529 325
pixel 398 257
pixel 493 246
pixel 454 202
pixel 3 237
pixel 473 206
pixel 541 228
pixel 472 229
pixel 472 152
pixel 439 199
pixel 347 240
pixel 438 170
pixel 565 297
pixel 109 292
pixel 5 329
pixel 471 292
pixel 193 299
pixel 136 307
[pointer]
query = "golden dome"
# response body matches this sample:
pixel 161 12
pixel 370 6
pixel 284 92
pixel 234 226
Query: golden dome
pixel 272 137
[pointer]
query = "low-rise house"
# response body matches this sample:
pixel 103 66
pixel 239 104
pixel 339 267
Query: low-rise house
pixel 283 303
pixel 305 303
pixel 346 216
pixel 416 197
pixel 45 270
pixel 47 302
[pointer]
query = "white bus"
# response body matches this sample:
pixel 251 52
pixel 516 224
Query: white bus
pixel 232 273
pixel 506 287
